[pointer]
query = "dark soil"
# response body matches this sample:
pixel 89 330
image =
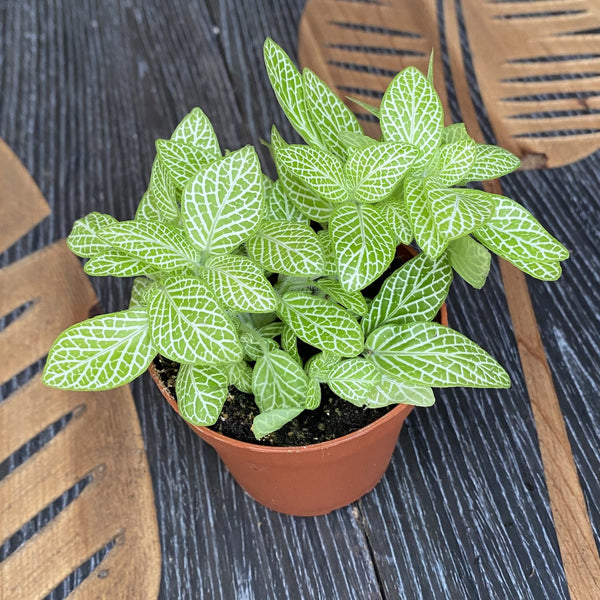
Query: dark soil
pixel 334 417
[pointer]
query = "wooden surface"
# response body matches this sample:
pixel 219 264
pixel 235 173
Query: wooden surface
pixel 463 511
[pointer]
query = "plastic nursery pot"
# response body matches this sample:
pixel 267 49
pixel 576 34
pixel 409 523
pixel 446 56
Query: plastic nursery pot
pixel 309 480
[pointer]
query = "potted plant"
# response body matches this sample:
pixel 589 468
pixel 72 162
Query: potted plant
pixel 280 299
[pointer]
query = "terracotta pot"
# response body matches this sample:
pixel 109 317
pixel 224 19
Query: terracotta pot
pixel 309 480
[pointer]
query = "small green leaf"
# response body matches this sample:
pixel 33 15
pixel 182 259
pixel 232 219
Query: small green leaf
pixel 256 346
pixel 307 200
pixel 278 381
pixel 101 353
pixel 491 162
pixel 328 253
pixel 411 112
pixel 321 171
pixel 287 248
pixel 272 420
pixel 375 171
pixel 328 114
pixel 222 205
pixel 201 392
pixel 196 129
pixel 181 160
pixel 320 365
pixel 272 330
pixel 240 284
pixel 517 236
pixel 356 140
pixel 395 213
pixel 368 107
pixel 414 292
pixel 140 292
pixel 188 326
pixel 155 243
pixel 456 132
pixel 289 342
pixel 161 195
pixel 454 161
pixel 430 354
pixel 240 376
pixel 353 301
pixel 313 394
pixel 281 207
pixel 470 260
pixel 118 264
pixel 363 245
pixel 147 209
pixel 353 380
pixel 391 391
pixel 84 240
pixel 321 323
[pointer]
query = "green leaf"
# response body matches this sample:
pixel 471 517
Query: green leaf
pixel 411 112
pixel 328 114
pixel 272 420
pixel 356 140
pixel 84 240
pixel 454 161
pixel 147 209
pixel 196 129
pixel 321 323
pixel 391 391
pixel 240 376
pixel 320 171
pixel 456 132
pixel 353 301
pixel 201 392
pixel 289 342
pixel 491 162
pixel 278 381
pixel 140 292
pixel 287 248
pixel 328 253
pixel 188 326
pixel 363 245
pixel 470 260
pixel 159 203
pixel 240 284
pixel 281 207
pixel 319 365
pixel 256 346
pixel 313 394
pixel 289 89
pixel 353 380
pixel 222 205
pixel 101 353
pixel 517 236
pixel 368 107
pixel 414 292
pixel 155 243
pixel 430 354
pixel 459 211
pixel 272 330
pixel 375 171
pixel 395 213
pixel 181 160
pixel 118 264
pixel 426 233
pixel 430 68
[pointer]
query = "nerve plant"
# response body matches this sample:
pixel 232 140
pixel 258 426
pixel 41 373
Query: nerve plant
pixel 232 269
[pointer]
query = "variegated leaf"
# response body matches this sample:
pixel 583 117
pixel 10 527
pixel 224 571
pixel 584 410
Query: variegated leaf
pixel 457 132
pixel 320 365
pixel 118 264
pixel 272 330
pixel 353 380
pixel 353 301
pixel 223 204
pixel 375 171
pixel 280 206
pixel 430 354
pixel 328 253
pixel 376 112
pixel 196 129
pixel 161 194
pixel 256 346
pixel 459 211
pixel 155 243
pixel 289 342
pixel 201 392
pixel 517 236
pixel 391 391
pixel 411 112
pixel 328 114
pixel 313 394
pixel 240 284
pixel 470 260
pixel 101 353
pixel 356 140
pixel 84 240
pixel 453 163
pixel 272 420
pixel 319 170
pixel 188 326
pixel 415 292
pixel 363 245
pixel 287 248
pixel 321 323
pixel 147 210
pixel 182 160
pixel 140 291
pixel 491 162
pixel 240 376
pixel 395 213
pixel 278 381
pixel 288 87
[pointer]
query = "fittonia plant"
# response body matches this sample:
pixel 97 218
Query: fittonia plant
pixel 232 269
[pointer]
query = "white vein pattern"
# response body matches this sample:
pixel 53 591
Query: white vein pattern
pixel 162 193
pixel 201 392
pixel 411 112
pixel 353 301
pixel 271 420
pixel 281 206
pixel 287 248
pixel 155 243
pixel 415 292
pixel 363 244
pixel 321 323
pixel 395 213
pixel 84 240
pixel 454 162
pixel 430 354
pixel 375 171
pixel 197 130
pixel 139 291
pixel 492 162
pixel 313 393
pixel 289 342
pixel 118 264
pixel 188 325
pixel 240 375
pixel 182 160
pixel 470 260
pixel 222 205
pixel 390 390
pixel 308 201
pixel 353 380
pixel 101 353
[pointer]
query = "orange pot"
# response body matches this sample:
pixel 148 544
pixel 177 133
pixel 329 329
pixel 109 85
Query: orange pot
pixel 309 480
